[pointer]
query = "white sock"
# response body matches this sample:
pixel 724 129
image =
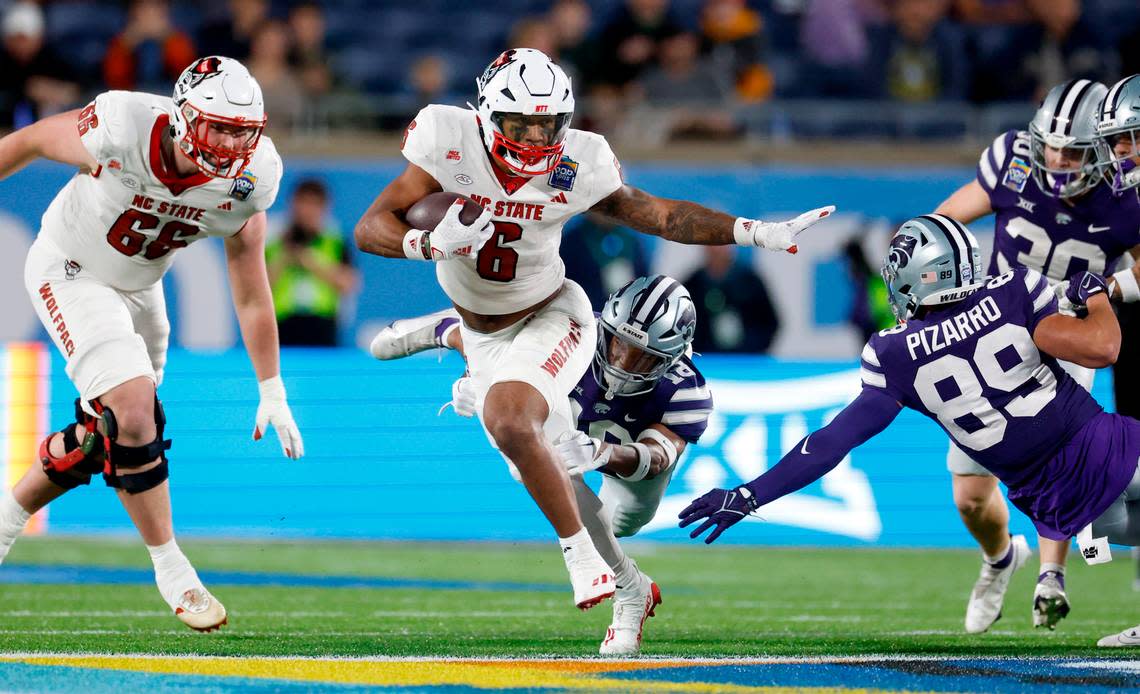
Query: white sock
pixel 1049 566
pixel 577 545
pixel 13 518
pixel 626 573
pixel 173 572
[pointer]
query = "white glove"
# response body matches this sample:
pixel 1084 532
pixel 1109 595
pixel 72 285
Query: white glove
pixel 777 236
pixel 1064 306
pixel 580 453
pixel 462 397
pixel 274 410
pixel 452 238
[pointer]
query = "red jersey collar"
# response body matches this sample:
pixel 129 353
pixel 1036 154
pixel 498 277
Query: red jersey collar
pixel 174 183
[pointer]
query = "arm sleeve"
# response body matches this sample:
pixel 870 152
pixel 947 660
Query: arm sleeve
pixel 819 453
pixel 606 176
pixel 687 412
pixel 418 146
pixel 992 161
pixel 265 193
pixel 98 132
pixel 1043 298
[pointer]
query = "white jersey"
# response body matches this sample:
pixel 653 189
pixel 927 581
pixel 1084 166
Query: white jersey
pixel 124 221
pixel 520 265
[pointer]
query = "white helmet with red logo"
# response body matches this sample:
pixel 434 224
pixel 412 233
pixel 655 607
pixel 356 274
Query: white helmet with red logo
pixel 524 82
pixel 218 116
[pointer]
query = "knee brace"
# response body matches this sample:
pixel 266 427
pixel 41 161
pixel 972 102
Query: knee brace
pixel 82 458
pixel 127 457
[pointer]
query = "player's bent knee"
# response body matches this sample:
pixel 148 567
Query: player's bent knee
pixel 972 493
pixel 138 468
pixel 629 525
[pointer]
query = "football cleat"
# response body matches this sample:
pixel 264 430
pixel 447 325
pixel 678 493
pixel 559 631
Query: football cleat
pixel 592 579
pixel 1129 638
pixel 407 336
pixel 984 607
pixel 632 606
pixel 1050 604
pixel 201 611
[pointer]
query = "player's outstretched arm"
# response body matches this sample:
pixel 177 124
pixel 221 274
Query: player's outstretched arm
pixel 687 222
pixel 381 230
pixel 812 458
pixel 253 303
pixel 55 137
pixel 1092 341
pixel 968 203
pixel 656 449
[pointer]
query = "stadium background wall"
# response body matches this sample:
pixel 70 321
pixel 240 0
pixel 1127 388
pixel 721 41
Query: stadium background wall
pixel 380 463
pixel 810 290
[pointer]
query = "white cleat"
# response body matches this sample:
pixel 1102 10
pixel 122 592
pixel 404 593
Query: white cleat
pixel 408 336
pixel 632 606
pixel 1129 638
pixel 592 579
pixel 1050 604
pixel 986 599
pixel 201 611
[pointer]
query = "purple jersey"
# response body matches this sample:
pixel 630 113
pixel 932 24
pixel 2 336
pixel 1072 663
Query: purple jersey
pixel 1046 234
pixel 680 400
pixel 974 368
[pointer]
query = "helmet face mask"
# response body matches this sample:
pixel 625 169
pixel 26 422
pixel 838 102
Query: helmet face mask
pixel 932 260
pixel 1118 144
pixel 646 327
pixel 1119 155
pixel 511 131
pixel 218 116
pixel 1063 139
pixel 523 97
pixel 1064 170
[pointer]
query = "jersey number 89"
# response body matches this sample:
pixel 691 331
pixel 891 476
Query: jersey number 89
pixel 991 366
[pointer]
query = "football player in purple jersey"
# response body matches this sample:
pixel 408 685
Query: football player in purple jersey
pixel 1118 147
pixel 637 408
pixel 980 357
pixel 1054 214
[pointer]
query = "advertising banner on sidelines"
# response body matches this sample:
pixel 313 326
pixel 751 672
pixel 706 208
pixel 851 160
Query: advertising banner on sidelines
pixel 812 291
pixel 382 461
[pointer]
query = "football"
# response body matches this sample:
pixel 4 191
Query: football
pixel 429 210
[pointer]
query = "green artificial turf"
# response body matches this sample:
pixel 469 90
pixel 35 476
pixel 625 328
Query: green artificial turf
pixel 719 601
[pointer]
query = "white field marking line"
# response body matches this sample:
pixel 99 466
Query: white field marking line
pixel 402 631
pixel 487 614
pixel 1126 665
pixel 731 660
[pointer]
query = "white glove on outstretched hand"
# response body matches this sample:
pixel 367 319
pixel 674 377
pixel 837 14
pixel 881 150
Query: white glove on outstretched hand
pixel 452 238
pixel 462 397
pixel 777 236
pixel 580 453
pixel 273 410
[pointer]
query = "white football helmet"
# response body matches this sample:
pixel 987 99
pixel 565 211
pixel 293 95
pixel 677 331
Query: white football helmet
pixel 523 82
pixel 218 115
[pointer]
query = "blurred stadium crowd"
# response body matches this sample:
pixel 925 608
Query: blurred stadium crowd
pixel 660 69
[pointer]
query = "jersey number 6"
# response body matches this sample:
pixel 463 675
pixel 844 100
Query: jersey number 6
pixel 497 262
pixel 126 236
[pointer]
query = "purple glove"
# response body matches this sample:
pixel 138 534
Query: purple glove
pixel 1083 286
pixel 722 508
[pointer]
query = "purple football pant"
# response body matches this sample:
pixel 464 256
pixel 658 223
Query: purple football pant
pixel 1093 478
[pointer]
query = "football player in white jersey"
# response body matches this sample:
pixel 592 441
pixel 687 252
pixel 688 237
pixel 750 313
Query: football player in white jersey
pixel 155 174
pixel 527 331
